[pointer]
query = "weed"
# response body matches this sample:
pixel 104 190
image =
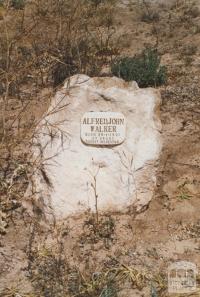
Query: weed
pixel 183 192
pixel 153 291
pixel 189 50
pixel 98 2
pixel 91 49
pixel 3 222
pixel 96 284
pixel 196 29
pixel 188 60
pixel 184 196
pixel 18 4
pixel 49 273
pixel 109 291
pixel 144 68
pixel 52 274
pixel 194 12
pixel 194 230
pixel 149 18
pixel 103 230
pixel 112 280
pixel 12 292
pixel 63 69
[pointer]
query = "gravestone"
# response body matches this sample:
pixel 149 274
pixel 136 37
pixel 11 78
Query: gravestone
pixel 98 143
pixel 103 128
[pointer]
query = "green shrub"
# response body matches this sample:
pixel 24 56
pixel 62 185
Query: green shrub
pixel 18 4
pixel 150 17
pixel 145 69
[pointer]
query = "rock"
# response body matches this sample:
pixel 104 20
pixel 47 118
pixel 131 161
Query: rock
pixel 73 172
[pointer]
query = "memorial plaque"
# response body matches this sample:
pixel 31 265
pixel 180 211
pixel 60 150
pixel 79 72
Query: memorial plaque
pixel 103 128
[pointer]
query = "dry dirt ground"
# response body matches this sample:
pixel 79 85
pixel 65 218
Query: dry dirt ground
pixel 167 231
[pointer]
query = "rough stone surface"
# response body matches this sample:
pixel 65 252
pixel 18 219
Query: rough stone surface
pixel 72 172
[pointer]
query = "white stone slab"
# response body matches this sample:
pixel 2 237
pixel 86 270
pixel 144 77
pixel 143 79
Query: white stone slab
pixel 125 174
pixel 103 128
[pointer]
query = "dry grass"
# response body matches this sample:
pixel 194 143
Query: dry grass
pixel 50 271
pixel 41 45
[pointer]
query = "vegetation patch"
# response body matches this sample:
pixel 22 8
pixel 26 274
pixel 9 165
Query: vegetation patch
pixel 18 4
pixel 144 68
pixel 103 230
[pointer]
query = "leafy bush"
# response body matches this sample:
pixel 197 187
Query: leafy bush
pixel 145 69
pixel 18 4
pixel 150 17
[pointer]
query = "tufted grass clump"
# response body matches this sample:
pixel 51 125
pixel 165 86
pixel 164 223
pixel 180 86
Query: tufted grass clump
pixel 144 68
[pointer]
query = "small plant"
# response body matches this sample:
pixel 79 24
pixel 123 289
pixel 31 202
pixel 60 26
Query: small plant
pixel 153 291
pixel 194 12
pixel 188 60
pixel 196 29
pixel 183 192
pixel 150 17
pixel 189 50
pixel 109 291
pixel 103 231
pixel 101 284
pixel 144 68
pixel 183 196
pixel 61 71
pixel 49 273
pixel 18 4
pixel 3 223
pixel 98 2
